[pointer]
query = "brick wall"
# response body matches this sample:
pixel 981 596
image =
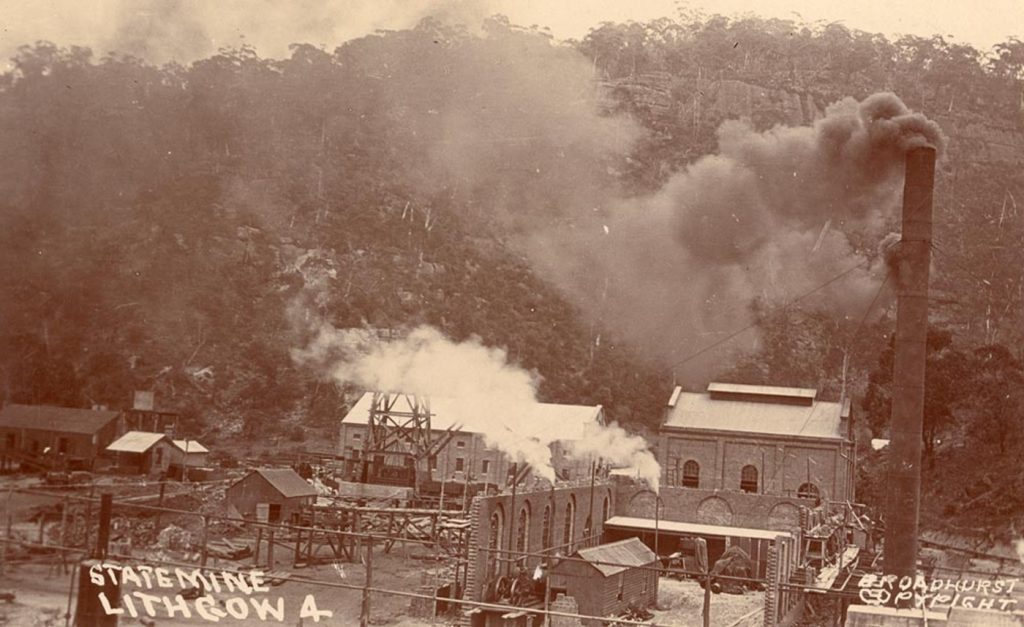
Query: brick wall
pixel 717 507
pixel 567 605
pixel 782 464
pixel 534 502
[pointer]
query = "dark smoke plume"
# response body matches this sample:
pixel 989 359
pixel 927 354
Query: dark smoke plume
pixel 771 215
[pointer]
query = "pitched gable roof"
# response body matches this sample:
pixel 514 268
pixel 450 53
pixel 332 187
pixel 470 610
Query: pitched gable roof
pixel 287 482
pixel 193 446
pixel 135 442
pixel 562 422
pixel 616 557
pixel 51 418
pixel 757 409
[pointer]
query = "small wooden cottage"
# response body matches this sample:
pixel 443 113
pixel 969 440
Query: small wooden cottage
pixel 271 495
pixel 141 452
pixel 189 453
pixel 608 578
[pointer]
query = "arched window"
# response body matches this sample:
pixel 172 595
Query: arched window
pixel 494 541
pixel 691 474
pixel 588 529
pixel 808 491
pixel 748 479
pixel 570 524
pixel 546 528
pixel 523 530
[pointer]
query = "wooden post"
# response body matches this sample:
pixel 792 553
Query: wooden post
pixel 206 536
pixel 270 549
pixel 707 597
pixel 7 532
pixel 64 535
pixel 256 553
pixel 160 503
pixel 103 531
pixel 309 547
pixel 88 518
pixel 364 613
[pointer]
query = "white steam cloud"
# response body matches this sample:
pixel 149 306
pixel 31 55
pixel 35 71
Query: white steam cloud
pixel 495 398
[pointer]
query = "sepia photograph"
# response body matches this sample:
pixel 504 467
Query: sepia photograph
pixel 511 313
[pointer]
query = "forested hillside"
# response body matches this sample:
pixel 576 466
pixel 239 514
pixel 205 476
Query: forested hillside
pixel 178 228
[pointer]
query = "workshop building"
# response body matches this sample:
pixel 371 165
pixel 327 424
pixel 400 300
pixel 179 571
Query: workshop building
pixel 271 495
pixel 467 457
pixel 45 436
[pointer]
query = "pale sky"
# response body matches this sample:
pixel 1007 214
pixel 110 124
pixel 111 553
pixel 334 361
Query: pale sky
pixel 186 29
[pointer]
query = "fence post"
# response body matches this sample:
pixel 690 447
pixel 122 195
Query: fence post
pixel 364 614
pixel 103 531
pixel 707 598
pixel 256 553
pixel 64 535
pixel 206 532
pixel 270 549
pixel 7 531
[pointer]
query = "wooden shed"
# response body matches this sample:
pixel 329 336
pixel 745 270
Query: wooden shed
pixel 608 578
pixel 279 494
pixel 141 452
pixel 189 453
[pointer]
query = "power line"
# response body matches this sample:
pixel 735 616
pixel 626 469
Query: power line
pixel 753 324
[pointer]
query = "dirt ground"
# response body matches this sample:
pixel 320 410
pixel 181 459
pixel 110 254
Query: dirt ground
pixel 681 603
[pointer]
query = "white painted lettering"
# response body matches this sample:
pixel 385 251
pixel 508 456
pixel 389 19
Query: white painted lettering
pixel 309 610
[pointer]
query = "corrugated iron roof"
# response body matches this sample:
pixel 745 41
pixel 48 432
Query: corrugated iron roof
pixel 50 418
pixel 135 442
pixel 616 557
pixel 287 482
pixel 820 419
pixel 563 422
pixel 192 446
pixel 671 526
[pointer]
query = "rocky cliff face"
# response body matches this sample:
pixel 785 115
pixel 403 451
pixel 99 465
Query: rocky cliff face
pixel 686 103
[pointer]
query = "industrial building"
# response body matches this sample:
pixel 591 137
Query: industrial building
pixel 467 457
pixel 44 436
pixel 751 456
pixel 758 439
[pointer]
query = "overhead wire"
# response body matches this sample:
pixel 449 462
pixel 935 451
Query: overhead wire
pixel 756 322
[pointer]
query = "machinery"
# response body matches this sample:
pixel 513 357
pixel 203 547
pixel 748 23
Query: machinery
pixel 399 441
pixel 690 558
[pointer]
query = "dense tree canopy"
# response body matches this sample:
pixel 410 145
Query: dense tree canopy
pixel 157 224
